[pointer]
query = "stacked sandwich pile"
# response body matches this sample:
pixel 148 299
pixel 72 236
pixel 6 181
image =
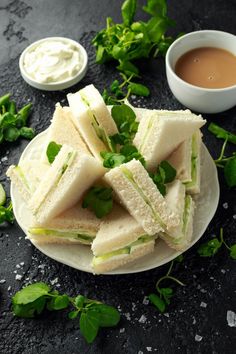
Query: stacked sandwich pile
pixel 88 135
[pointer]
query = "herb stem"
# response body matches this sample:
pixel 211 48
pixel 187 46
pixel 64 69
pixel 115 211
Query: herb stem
pixel 222 151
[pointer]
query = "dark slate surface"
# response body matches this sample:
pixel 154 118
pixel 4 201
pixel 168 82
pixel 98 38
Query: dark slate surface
pixel 209 281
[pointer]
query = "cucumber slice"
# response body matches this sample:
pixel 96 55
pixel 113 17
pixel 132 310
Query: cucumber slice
pixel 2 195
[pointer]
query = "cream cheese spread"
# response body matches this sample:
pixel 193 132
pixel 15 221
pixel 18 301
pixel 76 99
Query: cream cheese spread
pixel 53 60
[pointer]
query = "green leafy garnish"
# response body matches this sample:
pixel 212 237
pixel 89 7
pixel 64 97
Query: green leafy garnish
pixel 99 200
pixel 13 123
pixel 52 151
pixel 6 213
pixel 211 247
pixel 124 118
pixel 34 299
pixel 129 41
pixel 227 163
pixel 163 298
pixel 165 174
pixel 221 133
pixel 126 154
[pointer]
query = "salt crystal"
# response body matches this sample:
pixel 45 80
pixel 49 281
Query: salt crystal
pixel 198 338
pixel 9 288
pixel 234 216
pixel 194 320
pixel 17 266
pixel 231 318
pixel 127 315
pixel 145 300
pixel 149 349
pixel 2 281
pixel 203 304
pixel 22 263
pixel 225 205
pixel 54 281
pixel 166 314
pixel 140 352
pixel 4 159
pixel 142 319
pixel 18 277
pixel 122 330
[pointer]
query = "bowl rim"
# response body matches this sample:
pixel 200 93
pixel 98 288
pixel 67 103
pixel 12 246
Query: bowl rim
pixel 198 88
pixel 59 85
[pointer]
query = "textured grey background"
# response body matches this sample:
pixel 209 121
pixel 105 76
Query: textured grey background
pixel 211 281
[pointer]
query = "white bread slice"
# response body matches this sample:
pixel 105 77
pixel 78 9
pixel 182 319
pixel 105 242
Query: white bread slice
pixel 117 230
pixel 160 134
pixel 63 131
pixel 120 260
pixel 144 113
pixel 72 222
pixel 180 159
pixel 27 176
pixel 87 106
pixel 69 176
pixel 182 205
pixel 141 197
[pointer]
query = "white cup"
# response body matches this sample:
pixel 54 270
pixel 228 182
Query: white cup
pixel 203 100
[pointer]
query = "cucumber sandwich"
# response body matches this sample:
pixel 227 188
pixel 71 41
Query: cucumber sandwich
pixel 120 240
pixel 140 196
pixel 63 131
pixel 69 176
pixel 160 133
pixel 92 118
pixel 186 160
pixel 182 204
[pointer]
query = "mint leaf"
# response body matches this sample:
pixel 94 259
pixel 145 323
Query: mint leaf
pixel 209 248
pixel 52 151
pixel 230 172
pixel 158 302
pixel 99 200
pixel 89 325
pixel 233 251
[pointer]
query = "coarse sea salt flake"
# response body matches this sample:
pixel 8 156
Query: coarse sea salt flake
pixel 198 338
pixel 142 319
pixel 203 304
pixel 225 205
pixel 149 349
pixel 2 281
pixel 231 318
pixel 18 277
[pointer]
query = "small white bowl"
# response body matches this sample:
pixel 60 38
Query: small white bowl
pixel 203 100
pixel 59 85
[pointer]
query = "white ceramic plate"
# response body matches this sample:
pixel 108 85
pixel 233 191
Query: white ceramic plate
pixel 80 257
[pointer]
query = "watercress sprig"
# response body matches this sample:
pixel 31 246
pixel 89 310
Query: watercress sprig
pixel 227 163
pixel 6 213
pixel 165 173
pixel 161 300
pixel 211 247
pixel 13 123
pixel 99 199
pixel 34 299
pixel 132 40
